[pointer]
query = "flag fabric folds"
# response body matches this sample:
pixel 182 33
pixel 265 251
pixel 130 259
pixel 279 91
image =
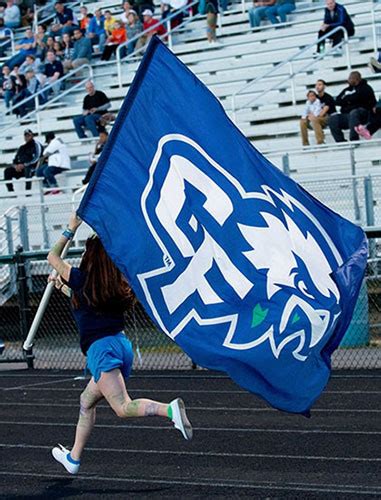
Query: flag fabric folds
pixel 238 264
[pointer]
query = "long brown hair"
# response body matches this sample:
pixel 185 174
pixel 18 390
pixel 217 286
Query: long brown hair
pixel 105 288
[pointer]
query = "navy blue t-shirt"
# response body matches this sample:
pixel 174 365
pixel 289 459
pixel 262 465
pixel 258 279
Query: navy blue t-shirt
pixel 92 325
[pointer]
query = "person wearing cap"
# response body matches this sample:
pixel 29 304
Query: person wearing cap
pixel 25 161
pixel 58 160
pixel 153 27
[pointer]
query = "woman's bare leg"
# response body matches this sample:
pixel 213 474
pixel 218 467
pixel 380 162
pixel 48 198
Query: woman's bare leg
pixel 88 401
pixel 113 387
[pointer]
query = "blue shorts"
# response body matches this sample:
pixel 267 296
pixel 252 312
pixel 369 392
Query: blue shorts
pixel 108 353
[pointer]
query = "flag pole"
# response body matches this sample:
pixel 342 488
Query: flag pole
pixel 28 343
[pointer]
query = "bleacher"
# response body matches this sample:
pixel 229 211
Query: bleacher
pixel 271 121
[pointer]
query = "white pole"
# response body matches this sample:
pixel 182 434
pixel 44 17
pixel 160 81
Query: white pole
pixel 170 41
pixel 43 305
pixel 47 293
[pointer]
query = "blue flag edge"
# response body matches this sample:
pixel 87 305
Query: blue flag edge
pixel 342 276
pixel 126 106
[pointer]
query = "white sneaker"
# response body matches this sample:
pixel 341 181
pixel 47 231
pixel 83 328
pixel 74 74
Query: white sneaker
pixel 62 455
pixel 180 419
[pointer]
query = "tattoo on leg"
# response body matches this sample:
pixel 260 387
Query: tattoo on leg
pixel 151 409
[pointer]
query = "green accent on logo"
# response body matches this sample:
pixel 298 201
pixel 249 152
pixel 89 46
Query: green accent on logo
pixel 295 318
pixel 259 315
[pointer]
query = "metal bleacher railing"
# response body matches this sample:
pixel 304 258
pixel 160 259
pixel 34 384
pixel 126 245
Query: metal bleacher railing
pixel 169 35
pixel 34 99
pixel 290 79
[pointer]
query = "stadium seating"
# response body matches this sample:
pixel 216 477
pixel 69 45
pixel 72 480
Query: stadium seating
pixel 271 123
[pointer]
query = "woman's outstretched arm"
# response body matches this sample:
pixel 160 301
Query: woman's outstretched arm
pixel 54 256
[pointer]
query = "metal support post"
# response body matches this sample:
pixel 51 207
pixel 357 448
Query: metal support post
pixel 354 186
pixel 286 164
pixel 23 225
pixel 22 292
pixel 369 210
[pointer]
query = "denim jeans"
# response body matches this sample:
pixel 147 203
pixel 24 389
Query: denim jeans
pixel 281 11
pixel 49 173
pixel 16 60
pixel 256 15
pixel 88 121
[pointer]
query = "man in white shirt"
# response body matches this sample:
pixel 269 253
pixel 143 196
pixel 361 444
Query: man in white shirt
pixel 57 155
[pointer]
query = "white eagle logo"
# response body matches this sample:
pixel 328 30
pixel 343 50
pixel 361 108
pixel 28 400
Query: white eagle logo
pixel 205 274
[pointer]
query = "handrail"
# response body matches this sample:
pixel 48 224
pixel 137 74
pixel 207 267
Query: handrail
pixel 324 147
pixel 12 39
pixel 36 95
pixel 148 30
pixel 375 6
pixel 37 11
pixel 289 61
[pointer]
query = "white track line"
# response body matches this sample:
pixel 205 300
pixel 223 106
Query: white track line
pixel 154 390
pixel 128 427
pixel 211 483
pixel 207 408
pixel 207 453
pixel 26 386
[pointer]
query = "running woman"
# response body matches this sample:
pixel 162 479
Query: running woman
pixel 100 295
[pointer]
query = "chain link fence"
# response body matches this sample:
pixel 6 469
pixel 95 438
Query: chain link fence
pixel 23 280
pixel 57 342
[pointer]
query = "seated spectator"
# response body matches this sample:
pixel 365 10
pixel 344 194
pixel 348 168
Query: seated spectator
pixel 7 90
pixel 27 17
pixel 375 64
pixel 67 48
pixel 357 102
pixel 311 116
pixel 12 15
pixel 25 161
pixel 374 123
pixel 30 63
pixel 53 71
pixel 117 37
pixel 64 20
pixel 335 15
pixel 35 83
pixel 58 160
pixel 50 43
pixel 5 37
pixel 26 46
pixel 153 26
pixel 321 121
pixel 109 22
pixel 41 38
pixel 57 47
pixel 82 51
pixel 84 19
pixel 103 136
pixel 169 7
pixel 96 30
pixel 133 28
pixel 127 8
pixel 19 83
pixel 280 9
pixel 95 104
pixel 258 12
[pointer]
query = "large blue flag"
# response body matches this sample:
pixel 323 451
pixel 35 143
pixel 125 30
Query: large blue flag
pixel 239 265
